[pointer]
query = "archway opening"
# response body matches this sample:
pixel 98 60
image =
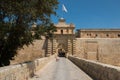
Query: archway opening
pixel 61 53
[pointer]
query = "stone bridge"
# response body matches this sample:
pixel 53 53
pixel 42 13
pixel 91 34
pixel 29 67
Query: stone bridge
pixel 71 68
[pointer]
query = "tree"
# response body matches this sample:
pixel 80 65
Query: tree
pixel 16 17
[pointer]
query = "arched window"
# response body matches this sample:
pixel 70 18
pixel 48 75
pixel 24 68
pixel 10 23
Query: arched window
pixel 61 31
pixel 88 34
pixel 96 35
pixel 118 35
pixel 107 35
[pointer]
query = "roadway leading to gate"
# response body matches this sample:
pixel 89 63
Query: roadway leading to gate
pixel 61 70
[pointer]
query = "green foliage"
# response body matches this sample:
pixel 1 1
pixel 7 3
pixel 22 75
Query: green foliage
pixel 16 17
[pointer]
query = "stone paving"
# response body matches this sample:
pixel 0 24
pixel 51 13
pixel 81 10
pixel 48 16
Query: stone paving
pixel 63 69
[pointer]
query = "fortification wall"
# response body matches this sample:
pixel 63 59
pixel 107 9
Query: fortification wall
pixel 23 71
pixel 31 52
pixel 98 71
pixel 104 50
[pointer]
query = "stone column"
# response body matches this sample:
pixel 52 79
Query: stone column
pixel 74 46
pixel 49 47
pixel 54 46
pixel 69 47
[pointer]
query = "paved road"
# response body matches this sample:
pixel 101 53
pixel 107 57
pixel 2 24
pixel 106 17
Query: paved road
pixel 61 70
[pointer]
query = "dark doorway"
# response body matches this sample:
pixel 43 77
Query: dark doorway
pixel 61 53
pixel 61 31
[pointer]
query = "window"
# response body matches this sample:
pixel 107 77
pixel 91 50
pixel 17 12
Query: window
pixel 107 35
pixel 118 35
pixel 88 34
pixel 96 35
pixel 61 31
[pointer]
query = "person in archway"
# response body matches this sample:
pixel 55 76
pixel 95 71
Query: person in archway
pixel 57 57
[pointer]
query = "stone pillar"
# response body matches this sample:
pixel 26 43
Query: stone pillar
pixel 74 46
pixel 54 46
pixel 69 47
pixel 49 47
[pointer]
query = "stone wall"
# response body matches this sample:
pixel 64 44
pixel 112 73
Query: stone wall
pixel 98 71
pixel 99 33
pixel 31 52
pixel 23 71
pixel 104 50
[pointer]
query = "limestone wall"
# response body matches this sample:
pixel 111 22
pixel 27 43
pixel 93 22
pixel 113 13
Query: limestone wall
pixel 99 33
pixel 104 50
pixel 23 71
pixel 98 71
pixel 31 52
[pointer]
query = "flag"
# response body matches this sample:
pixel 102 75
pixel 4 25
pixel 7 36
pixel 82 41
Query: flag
pixel 64 8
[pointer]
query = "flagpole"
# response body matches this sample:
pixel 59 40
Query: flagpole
pixel 63 10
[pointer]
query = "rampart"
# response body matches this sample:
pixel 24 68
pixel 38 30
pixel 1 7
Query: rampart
pixel 98 71
pixel 31 52
pixel 105 50
pixel 23 71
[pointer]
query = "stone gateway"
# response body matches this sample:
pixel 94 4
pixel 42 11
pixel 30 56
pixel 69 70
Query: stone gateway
pixel 63 39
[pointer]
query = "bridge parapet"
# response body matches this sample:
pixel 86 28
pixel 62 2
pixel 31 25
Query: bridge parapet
pixel 23 71
pixel 98 71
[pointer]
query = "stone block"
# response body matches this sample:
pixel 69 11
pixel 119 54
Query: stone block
pixel 23 71
pixel 98 71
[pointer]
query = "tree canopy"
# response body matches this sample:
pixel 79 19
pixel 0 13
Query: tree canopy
pixel 16 17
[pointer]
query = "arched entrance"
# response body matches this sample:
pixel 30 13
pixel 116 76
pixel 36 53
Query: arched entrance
pixel 61 51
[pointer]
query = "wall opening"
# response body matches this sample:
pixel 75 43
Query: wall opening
pixel 61 31
pixel 61 53
pixel 119 35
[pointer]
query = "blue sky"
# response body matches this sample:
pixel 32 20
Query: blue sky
pixel 90 13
